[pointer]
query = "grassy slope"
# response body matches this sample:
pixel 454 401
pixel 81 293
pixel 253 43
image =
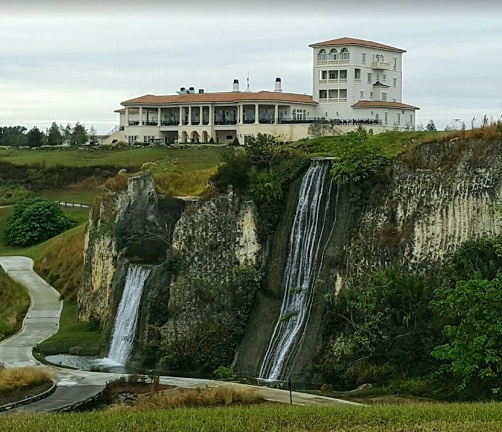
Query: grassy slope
pixel 191 158
pixel 432 417
pixel 72 333
pixel 14 302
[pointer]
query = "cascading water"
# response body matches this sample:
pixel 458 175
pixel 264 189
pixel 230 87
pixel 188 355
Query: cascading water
pixel 301 271
pixel 124 328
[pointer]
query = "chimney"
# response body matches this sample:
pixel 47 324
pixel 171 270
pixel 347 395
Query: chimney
pixel 201 90
pixel 278 85
pixel 236 85
pixel 191 90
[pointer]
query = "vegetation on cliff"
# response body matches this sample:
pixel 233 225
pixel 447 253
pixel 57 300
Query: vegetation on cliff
pixel 443 331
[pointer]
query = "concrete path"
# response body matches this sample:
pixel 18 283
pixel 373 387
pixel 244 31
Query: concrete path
pixel 73 386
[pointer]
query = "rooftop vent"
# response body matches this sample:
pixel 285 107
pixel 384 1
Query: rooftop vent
pixel 235 87
pixel 201 90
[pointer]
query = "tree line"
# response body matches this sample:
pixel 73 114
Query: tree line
pixel 78 134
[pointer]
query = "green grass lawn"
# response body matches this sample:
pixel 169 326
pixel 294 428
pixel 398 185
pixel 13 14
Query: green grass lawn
pixel 72 333
pixel 419 417
pixel 191 159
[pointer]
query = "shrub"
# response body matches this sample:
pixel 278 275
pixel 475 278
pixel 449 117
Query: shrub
pixel 223 373
pixel 35 220
pixel 14 378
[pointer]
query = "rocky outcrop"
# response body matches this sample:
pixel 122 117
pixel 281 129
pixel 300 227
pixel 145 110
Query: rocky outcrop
pixel 214 272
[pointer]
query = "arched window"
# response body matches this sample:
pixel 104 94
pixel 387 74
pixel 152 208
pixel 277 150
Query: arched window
pixel 344 54
pixel 322 55
pixel 333 54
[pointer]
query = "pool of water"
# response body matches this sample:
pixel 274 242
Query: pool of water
pixel 87 363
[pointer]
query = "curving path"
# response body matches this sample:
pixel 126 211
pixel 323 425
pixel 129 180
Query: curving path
pixel 73 386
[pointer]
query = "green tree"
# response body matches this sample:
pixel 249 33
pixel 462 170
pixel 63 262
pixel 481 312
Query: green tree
pixel 66 132
pixel 359 160
pixel 431 126
pixel 35 137
pixel 13 136
pixel 93 135
pixel 54 135
pixel 35 220
pixel 79 134
pixel 473 353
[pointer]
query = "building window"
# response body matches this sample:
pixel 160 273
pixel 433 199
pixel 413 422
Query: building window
pixel 362 94
pixel 371 95
pixel 357 74
pixel 411 118
pixel 343 94
pixel 132 139
pixel 394 82
pixel 324 75
pixel 333 94
pixel 344 54
pixel 323 94
pixel 395 62
pixel 370 78
pixel 385 118
pixel 322 55
pixel 378 77
pixel 364 58
pixel 398 118
pixel 333 54
pixel 333 75
pixel 384 96
pixel 384 77
pixel 148 138
pixel 377 116
pixel 343 74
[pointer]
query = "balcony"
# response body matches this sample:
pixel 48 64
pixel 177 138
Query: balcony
pixel 133 123
pixel 377 65
pixel 150 123
pixel 225 122
pixel 170 123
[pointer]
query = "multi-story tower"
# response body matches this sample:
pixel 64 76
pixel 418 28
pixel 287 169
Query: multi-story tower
pixel 358 79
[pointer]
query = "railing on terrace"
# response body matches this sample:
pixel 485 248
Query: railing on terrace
pixel 150 123
pixel 225 122
pixel 170 123
pixel 337 122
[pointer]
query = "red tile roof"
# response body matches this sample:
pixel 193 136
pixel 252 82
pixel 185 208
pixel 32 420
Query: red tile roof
pixel 228 97
pixel 345 41
pixel 383 104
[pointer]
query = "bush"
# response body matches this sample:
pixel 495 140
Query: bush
pixel 35 220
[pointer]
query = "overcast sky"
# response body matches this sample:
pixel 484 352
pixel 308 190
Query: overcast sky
pixel 69 62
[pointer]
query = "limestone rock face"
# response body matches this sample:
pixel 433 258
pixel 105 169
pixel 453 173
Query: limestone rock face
pixel 441 195
pixel 123 225
pixel 215 255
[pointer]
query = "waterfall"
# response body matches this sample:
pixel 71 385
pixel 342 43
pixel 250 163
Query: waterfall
pixel 301 271
pixel 124 328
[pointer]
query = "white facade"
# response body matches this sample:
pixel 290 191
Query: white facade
pixel 354 82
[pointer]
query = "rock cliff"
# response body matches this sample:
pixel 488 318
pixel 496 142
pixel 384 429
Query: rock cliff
pixel 214 292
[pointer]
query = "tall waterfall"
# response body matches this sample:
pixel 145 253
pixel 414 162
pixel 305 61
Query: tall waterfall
pixel 124 328
pixel 301 271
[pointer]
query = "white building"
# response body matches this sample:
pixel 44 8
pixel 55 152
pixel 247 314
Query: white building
pixel 354 82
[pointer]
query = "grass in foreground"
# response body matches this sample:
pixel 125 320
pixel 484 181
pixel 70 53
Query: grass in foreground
pixel 14 302
pixel 200 397
pixel 423 417
pixel 16 378
pixel 72 333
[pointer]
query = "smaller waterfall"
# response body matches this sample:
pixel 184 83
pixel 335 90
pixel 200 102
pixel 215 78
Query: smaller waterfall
pixel 301 271
pixel 126 319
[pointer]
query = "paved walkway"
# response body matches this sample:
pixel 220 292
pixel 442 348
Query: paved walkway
pixel 73 386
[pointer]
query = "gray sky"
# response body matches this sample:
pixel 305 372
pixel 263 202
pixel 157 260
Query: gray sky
pixel 69 62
